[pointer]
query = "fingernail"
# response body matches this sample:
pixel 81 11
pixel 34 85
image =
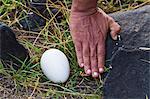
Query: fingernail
pixel 101 70
pixel 81 65
pixel 95 74
pixel 88 71
pixel 115 38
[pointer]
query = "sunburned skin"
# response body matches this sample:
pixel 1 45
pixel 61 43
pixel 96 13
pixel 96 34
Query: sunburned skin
pixel 83 5
pixel 89 26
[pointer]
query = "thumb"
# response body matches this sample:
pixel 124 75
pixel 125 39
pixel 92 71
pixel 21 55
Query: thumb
pixel 114 28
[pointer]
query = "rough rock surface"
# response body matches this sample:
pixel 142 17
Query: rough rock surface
pixel 33 21
pixel 129 76
pixel 10 47
pixel 135 26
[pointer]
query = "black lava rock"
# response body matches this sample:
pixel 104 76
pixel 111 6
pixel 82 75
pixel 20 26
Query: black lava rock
pixel 129 76
pixel 32 21
pixel 10 49
pixel 112 46
pixel 135 26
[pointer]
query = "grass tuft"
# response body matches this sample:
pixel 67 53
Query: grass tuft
pixel 29 81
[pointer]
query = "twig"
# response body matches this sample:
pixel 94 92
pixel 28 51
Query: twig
pixel 144 48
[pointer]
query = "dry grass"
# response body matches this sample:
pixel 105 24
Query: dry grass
pixel 29 81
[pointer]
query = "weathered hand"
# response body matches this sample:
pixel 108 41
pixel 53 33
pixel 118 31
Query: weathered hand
pixel 89 34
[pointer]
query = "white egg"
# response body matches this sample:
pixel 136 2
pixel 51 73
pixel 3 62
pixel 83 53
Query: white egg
pixel 55 65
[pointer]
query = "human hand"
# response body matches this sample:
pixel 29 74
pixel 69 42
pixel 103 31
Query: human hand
pixel 89 34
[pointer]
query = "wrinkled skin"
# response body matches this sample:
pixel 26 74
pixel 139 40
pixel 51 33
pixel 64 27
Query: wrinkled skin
pixel 89 32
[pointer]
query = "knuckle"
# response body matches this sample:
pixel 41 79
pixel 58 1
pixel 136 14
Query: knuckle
pixel 94 63
pixel 79 62
pixel 101 64
pixel 118 29
pixel 101 50
pixel 93 57
pixel 79 58
pixel 86 52
pixel 94 68
pixel 101 53
pixel 86 56
pixel 86 65
pixel 93 53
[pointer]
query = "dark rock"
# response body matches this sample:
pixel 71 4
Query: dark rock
pixel 10 48
pixel 129 76
pixel 33 21
pixel 135 26
pixel 112 46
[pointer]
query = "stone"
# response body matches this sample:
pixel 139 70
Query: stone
pixel 135 26
pixel 34 21
pixel 129 76
pixel 10 48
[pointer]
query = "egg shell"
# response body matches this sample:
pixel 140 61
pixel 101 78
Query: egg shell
pixel 55 65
